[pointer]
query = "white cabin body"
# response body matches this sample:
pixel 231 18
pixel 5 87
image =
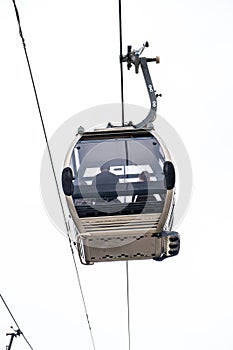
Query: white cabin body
pixel 131 219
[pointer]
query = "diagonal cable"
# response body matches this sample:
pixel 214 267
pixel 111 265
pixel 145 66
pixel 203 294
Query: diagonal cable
pixel 52 165
pixel 81 289
pixel 16 323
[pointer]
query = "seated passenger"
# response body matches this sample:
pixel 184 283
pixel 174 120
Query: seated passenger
pixel 106 183
pixel 81 201
pixel 143 177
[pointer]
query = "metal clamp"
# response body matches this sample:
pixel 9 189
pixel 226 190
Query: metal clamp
pixel 133 58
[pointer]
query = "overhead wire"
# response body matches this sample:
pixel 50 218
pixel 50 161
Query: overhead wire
pixel 123 123
pixel 128 304
pixel 81 292
pixel 121 66
pixel 53 168
pixel 16 323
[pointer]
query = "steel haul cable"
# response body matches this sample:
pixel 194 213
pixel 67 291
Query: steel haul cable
pixel 121 66
pixel 123 122
pixel 128 304
pixel 52 165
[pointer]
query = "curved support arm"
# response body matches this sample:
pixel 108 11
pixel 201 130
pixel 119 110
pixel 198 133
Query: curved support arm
pixel 133 58
pixel 147 122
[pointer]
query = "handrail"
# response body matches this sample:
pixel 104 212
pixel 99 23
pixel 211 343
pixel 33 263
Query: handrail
pixel 122 189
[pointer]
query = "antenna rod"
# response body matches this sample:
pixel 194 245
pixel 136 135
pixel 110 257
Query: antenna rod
pixel 121 66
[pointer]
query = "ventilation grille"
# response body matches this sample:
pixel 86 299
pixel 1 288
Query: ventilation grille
pixel 121 224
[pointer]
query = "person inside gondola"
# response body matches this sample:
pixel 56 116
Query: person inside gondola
pixel 143 177
pixel 83 200
pixel 105 183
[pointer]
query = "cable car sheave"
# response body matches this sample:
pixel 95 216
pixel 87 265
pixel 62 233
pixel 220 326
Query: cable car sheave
pixel 130 216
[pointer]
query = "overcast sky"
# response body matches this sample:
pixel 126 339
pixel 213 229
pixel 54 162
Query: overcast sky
pixel 184 302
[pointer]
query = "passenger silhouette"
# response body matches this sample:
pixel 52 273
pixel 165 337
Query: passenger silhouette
pixel 106 183
pixel 143 177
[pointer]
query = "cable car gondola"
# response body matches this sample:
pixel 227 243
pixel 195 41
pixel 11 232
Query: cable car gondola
pixel 119 183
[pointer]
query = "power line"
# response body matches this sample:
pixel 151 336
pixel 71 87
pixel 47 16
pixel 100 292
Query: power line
pixel 121 66
pixel 38 106
pixel 128 304
pixel 123 123
pixel 81 291
pixel 16 323
pixel 52 165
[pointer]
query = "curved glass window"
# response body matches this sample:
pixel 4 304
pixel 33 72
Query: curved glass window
pixel 118 176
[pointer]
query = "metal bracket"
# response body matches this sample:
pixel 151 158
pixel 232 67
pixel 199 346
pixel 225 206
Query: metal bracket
pixel 80 130
pixel 17 332
pixel 133 58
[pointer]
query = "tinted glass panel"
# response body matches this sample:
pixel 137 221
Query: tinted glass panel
pixel 117 173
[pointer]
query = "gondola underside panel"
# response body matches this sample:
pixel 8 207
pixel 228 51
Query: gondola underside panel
pixel 111 239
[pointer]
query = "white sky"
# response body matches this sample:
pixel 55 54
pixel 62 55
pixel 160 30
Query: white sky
pixel 183 303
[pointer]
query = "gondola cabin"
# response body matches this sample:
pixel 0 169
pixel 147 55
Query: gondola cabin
pixel 119 186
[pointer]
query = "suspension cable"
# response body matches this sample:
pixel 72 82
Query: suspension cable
pixel 123 122
pixel 53 168
pixel 16 323
pixel 121 67
pixel 39 109
pixel 128 304
pixel 81 289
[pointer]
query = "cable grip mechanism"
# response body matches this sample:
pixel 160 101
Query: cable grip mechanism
pixel 133 57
